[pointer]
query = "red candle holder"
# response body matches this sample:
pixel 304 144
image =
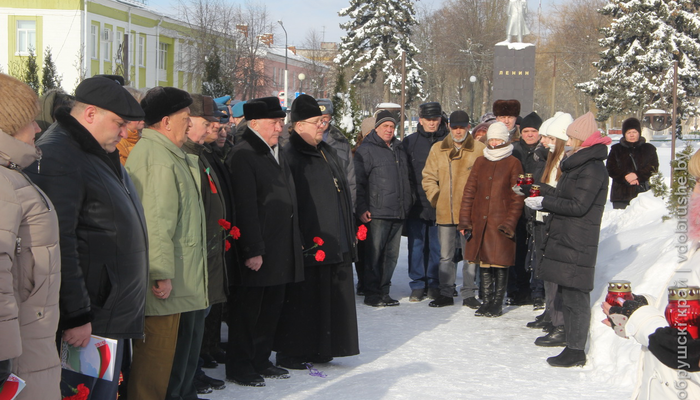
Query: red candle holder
pixel 683 309
pixel 521 180
pixel 528 179
pixel 534 190
pixel 619 292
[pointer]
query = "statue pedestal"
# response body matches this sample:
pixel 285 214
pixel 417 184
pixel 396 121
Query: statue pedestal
pixel 514 74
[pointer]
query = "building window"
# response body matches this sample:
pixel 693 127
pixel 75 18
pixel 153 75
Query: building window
pixel 120 43
pixel 106 39
pixel 142 50
pixel 26 37
pixel 163 55
pixel 93 41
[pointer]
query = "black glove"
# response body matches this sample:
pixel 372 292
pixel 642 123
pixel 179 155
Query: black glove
pixel 675 350
pixel 629 306
pixel 5 371
pixel 467 234
pixel 526 189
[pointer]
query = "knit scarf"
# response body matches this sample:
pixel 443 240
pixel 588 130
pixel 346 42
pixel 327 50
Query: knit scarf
pixel 498 153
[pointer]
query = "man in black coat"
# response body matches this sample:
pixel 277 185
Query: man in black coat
pixel 104 251
pixel 383 200
pixel 270 245
pixel 423 243
pixel 521 289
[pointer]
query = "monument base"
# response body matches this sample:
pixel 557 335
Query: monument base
pixel 514 74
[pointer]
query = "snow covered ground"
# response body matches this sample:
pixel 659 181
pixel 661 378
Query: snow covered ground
pixel 417 352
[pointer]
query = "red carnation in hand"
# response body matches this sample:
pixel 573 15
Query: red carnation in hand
pixel 318 241
pixel 227 246
pixel 225 224
pixel 320 255
pixel 361 232
pixel 235 233
pixel 82 393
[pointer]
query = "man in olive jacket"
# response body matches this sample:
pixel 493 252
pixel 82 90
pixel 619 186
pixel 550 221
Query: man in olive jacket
pixel 168 182
pixel 104 249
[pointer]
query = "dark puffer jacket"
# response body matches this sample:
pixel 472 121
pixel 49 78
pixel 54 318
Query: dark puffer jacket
pixel 620 164
pixel 417 148
pixel 104 251
pixel 383 187
pixel 577 204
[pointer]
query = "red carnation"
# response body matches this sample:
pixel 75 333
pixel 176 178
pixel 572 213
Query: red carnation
pixel 82 393
pixel 225 224
pixel 361 232
pixel 235 233
pixel 318 241
pixel 227 246
pixel 320 255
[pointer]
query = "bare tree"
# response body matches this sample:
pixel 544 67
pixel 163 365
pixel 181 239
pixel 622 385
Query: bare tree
pixel 318 73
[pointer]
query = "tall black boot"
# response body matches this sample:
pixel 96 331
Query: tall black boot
pixel 500 278
pixel 486 290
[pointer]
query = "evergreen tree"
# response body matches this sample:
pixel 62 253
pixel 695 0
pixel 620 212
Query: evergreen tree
pixel 49 77
pixel 658 186
pixel 346 111
pixel 31 72
pixel 636 64
pixel 377 34
pixel 213 85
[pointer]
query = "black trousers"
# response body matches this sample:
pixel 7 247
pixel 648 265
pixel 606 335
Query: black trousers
pixel 252 322
pixel 189 342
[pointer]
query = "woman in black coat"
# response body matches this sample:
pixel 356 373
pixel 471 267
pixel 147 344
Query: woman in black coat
pixel 630 164
pixel 576 206
pixel 319 321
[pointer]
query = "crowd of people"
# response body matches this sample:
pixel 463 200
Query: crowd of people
pixel 153 217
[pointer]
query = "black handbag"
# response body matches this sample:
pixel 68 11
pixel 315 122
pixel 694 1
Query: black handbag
pixel 643 186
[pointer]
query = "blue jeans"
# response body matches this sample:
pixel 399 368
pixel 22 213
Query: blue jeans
pixel 423 254
pixel 381 253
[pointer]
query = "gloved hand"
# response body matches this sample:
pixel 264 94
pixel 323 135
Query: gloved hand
pixel 5 370
pixel 675 350
pixel 619 315
pixel 467 234
pixel 518 190
pixel 534 203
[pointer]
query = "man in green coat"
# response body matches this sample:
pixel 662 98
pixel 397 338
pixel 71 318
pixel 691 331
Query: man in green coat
pixel 168 183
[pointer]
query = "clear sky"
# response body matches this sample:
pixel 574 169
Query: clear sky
pixel 300 16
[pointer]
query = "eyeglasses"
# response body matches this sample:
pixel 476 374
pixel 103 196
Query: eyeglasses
pixel 319 123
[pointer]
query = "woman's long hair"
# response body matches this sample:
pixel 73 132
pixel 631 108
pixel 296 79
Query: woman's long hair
pixel 553 161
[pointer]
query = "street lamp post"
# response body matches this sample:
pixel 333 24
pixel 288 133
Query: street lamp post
pixel 472 79
pixel 301 82
pixel 286 88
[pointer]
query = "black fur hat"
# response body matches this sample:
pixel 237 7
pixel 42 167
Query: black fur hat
pixel 531 120
pixel 163 101
pixel 304 107
pixel 509 108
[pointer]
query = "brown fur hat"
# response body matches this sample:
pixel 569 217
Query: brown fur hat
pixel 506 108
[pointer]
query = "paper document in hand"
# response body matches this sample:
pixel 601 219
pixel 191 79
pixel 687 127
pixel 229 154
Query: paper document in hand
pixel 11 388
pixel 96 359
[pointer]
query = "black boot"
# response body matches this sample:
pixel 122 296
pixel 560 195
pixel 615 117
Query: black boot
pixel 540 321
pixel 568 358
pixel 555 338
pixel 486 289
pixel 501 282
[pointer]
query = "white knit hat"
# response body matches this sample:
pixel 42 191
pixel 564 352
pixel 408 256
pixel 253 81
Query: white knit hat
pixel 497 130
pixel 557 128
pixel 546 123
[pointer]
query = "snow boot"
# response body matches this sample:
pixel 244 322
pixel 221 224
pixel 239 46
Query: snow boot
pixel 555 338
pixel 486 288
pixel 568 358
pixel 501 283
pixel 540 321
pixel 442 301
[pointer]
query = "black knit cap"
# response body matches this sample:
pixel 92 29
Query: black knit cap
pixel 263 108
pixel 305 107
pixel 162 101
pixel 109 95
pixel 430 110
pixel 384 116
pixel 631 123
pixel 459 118
pixel 531 120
